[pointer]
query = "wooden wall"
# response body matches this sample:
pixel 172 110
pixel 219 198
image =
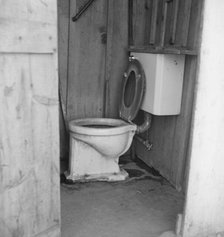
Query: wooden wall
pixel 29 139
pixel 96 50
pixel 159 32
pixel 93 56
pixel 97 58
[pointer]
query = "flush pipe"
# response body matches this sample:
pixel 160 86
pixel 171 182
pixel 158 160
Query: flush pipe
pixel 146 124
pixel 142 128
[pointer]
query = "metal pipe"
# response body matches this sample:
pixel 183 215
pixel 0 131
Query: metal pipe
pixel 146 124
pixel 146 143
pixel 82 10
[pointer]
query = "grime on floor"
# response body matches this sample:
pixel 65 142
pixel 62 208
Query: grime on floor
pixel 144 205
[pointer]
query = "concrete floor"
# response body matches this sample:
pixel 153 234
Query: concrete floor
pixel 143 206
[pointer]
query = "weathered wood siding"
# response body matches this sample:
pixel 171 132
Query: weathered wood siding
pixel 29 139
pixel 97 57
pixel 93 56
pixel 169 134
pixel 86 71
pixel 116 54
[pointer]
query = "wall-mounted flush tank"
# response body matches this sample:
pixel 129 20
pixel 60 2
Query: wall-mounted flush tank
pixel 164 81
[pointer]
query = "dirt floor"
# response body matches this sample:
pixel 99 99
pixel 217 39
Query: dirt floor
pixel 145 205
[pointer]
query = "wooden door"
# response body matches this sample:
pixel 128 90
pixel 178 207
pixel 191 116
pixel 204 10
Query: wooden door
pixel 29 133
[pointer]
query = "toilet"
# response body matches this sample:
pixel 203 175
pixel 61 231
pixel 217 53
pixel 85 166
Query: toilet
pixel 97 143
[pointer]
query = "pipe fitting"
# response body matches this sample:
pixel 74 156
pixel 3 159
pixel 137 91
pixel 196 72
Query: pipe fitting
pixel 146 124
pixel 146 143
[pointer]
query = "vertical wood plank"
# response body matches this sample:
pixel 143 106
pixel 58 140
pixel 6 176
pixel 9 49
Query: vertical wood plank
pixel 183 125
pixel 171 22
pixel 116 53
pixel 153 21
pixel 195 23
pixel 159 22
pixel 183 25
pixel 174 22
pixel 139 22
pixel 63 36
pixel 148 13
pixel 130 22
pixel 86 76
pixel 164 22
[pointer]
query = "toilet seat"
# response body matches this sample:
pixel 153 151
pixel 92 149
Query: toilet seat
pixel 111 126
pixel 134 74
pixel 134 81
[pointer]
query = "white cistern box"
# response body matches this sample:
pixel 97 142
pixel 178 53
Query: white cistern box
pixel 164 81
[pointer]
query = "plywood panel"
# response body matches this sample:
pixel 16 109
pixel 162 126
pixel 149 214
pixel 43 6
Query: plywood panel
pixel 87 50
pixel 116 54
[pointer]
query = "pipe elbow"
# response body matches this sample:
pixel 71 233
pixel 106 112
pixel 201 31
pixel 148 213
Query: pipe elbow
pixel 146 124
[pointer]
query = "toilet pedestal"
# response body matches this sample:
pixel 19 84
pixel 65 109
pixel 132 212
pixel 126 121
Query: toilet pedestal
pixel 86 164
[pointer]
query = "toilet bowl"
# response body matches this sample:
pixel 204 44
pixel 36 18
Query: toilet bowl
pixel 97 143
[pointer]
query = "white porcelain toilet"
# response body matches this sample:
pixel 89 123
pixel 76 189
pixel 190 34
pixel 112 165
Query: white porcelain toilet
pixel 97 143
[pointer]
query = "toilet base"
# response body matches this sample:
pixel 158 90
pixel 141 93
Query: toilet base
pixel 106 177
pixel 88 164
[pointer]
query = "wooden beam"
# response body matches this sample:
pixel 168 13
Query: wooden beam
pixel 162 50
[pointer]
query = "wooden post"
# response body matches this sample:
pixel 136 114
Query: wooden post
pixel 153 22
pixel 174 21
pixel 29 132
pixel 163 24
pixel 204 208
